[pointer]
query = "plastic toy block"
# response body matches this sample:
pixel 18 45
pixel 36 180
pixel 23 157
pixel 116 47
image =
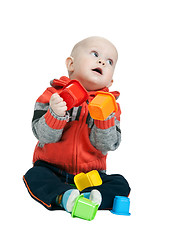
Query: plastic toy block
pixel 102 105
pixel 85 180
pixel 84 208
pixel 74 94
pixel 82 181
pixel 121 206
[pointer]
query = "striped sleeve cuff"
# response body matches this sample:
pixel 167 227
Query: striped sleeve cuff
pixel 54 121
pixel 109 122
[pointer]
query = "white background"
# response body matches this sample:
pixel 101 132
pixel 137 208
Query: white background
pixel 36 37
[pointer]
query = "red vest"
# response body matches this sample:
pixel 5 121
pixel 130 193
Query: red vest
pixel 74 153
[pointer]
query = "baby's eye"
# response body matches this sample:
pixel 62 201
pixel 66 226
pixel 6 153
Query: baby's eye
pixel 94 53
pixel 110 62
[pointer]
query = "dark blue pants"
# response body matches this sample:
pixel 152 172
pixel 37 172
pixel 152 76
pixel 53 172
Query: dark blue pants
pixel 44 182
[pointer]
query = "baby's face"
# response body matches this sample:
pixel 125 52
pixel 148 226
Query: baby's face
pixel 94 63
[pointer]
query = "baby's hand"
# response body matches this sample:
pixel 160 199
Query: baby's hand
pixel 58 105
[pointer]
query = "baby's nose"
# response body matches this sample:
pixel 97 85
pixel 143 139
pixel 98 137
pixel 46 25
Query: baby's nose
pixel 100 61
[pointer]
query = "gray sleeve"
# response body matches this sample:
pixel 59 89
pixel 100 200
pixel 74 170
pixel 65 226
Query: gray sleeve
pixel 43 132
pixel 106 139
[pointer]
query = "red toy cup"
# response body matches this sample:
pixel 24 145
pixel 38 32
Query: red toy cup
pixel 74 94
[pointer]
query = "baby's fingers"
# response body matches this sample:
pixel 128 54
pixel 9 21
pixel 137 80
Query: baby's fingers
pixel 55 98
pixel 62 111
pixel 62 104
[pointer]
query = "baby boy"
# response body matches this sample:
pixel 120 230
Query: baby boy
pixel 70 142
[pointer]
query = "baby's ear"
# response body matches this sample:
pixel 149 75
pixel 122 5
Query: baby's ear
pixel 69 64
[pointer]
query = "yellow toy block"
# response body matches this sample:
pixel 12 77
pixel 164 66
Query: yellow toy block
pixel 85 180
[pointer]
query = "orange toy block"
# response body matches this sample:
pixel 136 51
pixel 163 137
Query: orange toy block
pixel 102 105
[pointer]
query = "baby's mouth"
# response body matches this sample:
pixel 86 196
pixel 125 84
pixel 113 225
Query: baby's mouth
pixel 98 70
